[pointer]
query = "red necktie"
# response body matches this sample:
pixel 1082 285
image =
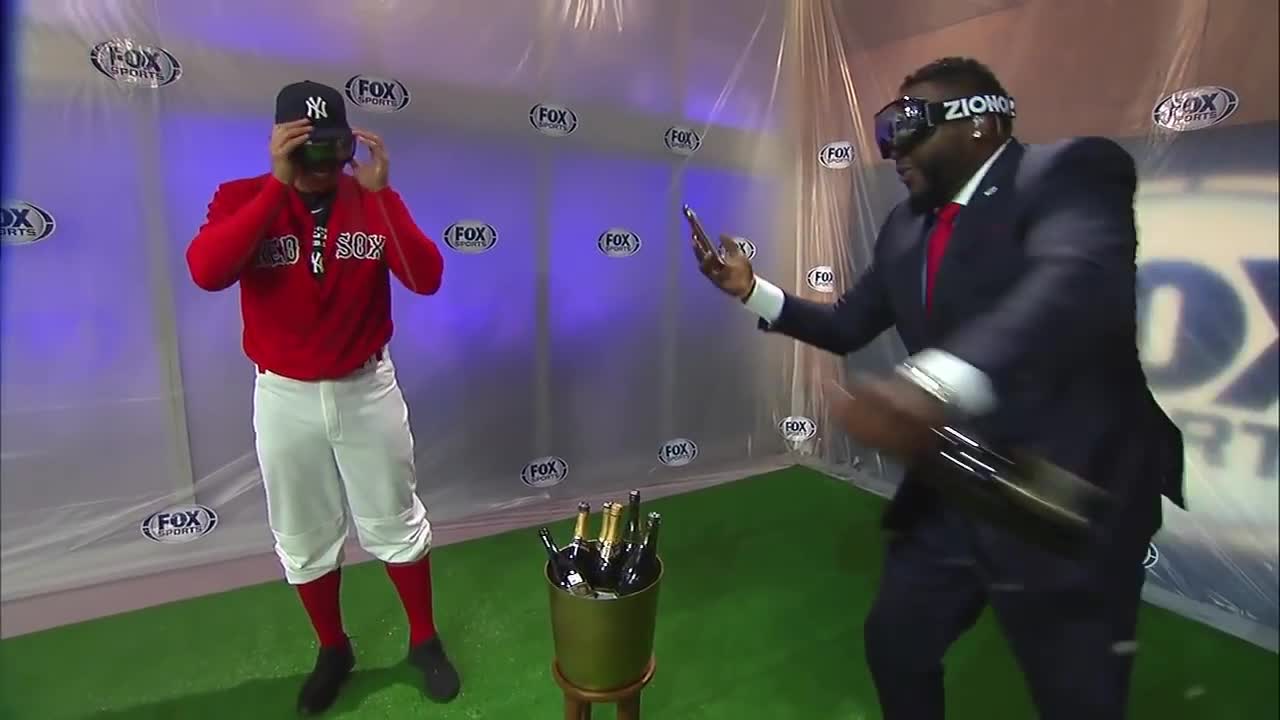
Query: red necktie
pixel 938 238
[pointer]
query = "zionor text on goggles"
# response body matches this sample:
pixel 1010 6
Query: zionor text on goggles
pixel 908 121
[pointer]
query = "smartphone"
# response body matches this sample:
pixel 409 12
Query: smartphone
pixel 699 234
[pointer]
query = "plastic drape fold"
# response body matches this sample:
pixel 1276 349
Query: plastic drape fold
pixel 574 348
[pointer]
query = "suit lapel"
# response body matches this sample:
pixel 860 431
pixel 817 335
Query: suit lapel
pixel 914 235
pixel 986 203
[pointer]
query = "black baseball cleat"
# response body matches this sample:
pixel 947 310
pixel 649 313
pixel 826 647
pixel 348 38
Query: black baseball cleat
pixel 333 665
pixel 439 678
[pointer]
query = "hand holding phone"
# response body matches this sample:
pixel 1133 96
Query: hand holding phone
pixel 702 248
pixel 728 268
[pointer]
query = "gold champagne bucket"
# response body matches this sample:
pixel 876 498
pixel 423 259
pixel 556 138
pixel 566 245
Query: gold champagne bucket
pixel 603 644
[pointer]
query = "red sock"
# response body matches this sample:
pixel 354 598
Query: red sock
pixel 413 582
pixel 321 598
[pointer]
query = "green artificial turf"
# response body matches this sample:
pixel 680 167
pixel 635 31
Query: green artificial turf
pixel 767 583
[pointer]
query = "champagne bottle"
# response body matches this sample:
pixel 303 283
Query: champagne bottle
pixel 641 568
pixel 579 551
pixel 604 518
pixel 605 507
pixel 1018 491
pixel 606 569
pixel 563 572
pixel 631 540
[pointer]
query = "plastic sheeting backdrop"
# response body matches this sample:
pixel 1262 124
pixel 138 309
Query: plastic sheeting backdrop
pixel 573 332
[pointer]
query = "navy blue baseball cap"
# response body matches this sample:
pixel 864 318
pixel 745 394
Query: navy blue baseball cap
pixel 322 105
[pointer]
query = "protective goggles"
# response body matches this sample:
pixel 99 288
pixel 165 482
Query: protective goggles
pixel 908 121
pixel 325 152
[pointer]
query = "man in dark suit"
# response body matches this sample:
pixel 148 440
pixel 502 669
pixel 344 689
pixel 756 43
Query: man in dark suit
pixel 1009 273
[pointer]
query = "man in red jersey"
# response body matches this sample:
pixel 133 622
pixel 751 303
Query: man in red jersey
pixel 311 247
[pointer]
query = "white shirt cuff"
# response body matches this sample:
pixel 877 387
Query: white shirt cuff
pixel 766 300
pixel 971 389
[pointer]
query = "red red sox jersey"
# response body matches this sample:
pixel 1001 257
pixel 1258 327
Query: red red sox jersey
pixel 305 317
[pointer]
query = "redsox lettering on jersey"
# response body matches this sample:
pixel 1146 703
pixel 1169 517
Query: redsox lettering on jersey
pixel 318 236
pixel 277 252
pixel 287 250
pixel 360 246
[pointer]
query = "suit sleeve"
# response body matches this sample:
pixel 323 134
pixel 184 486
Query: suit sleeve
pixel 232 230
pixel 1080 287
pixel 413 257
pixel 842 327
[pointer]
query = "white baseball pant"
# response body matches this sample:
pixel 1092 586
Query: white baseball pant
pixel 317 441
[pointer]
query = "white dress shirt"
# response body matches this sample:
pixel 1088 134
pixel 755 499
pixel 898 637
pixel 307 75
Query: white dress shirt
pixel 970 388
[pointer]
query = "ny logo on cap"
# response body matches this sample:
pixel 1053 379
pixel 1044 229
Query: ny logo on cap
pixel 316 108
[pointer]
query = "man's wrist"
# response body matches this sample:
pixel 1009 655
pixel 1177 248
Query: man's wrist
pixel 750 291
pixel 765 299
pixel 965 390
pixel 913 374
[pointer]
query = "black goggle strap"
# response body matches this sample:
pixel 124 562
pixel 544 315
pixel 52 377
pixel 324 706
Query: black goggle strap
pixel 908 119
pixel 967 107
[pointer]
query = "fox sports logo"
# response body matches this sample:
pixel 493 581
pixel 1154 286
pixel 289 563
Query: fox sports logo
pixel 22 223
pixel 747 247
pixel 545 472
pixel 377 94
pixel 822 278
pixel 180 524
pixel 682 140
pixel 678 452
pixel 1195 108
pixel 470 237
pixel 555 120
pixel 128 62
pixel 797 428
pixel 618 242
pixel 836 155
